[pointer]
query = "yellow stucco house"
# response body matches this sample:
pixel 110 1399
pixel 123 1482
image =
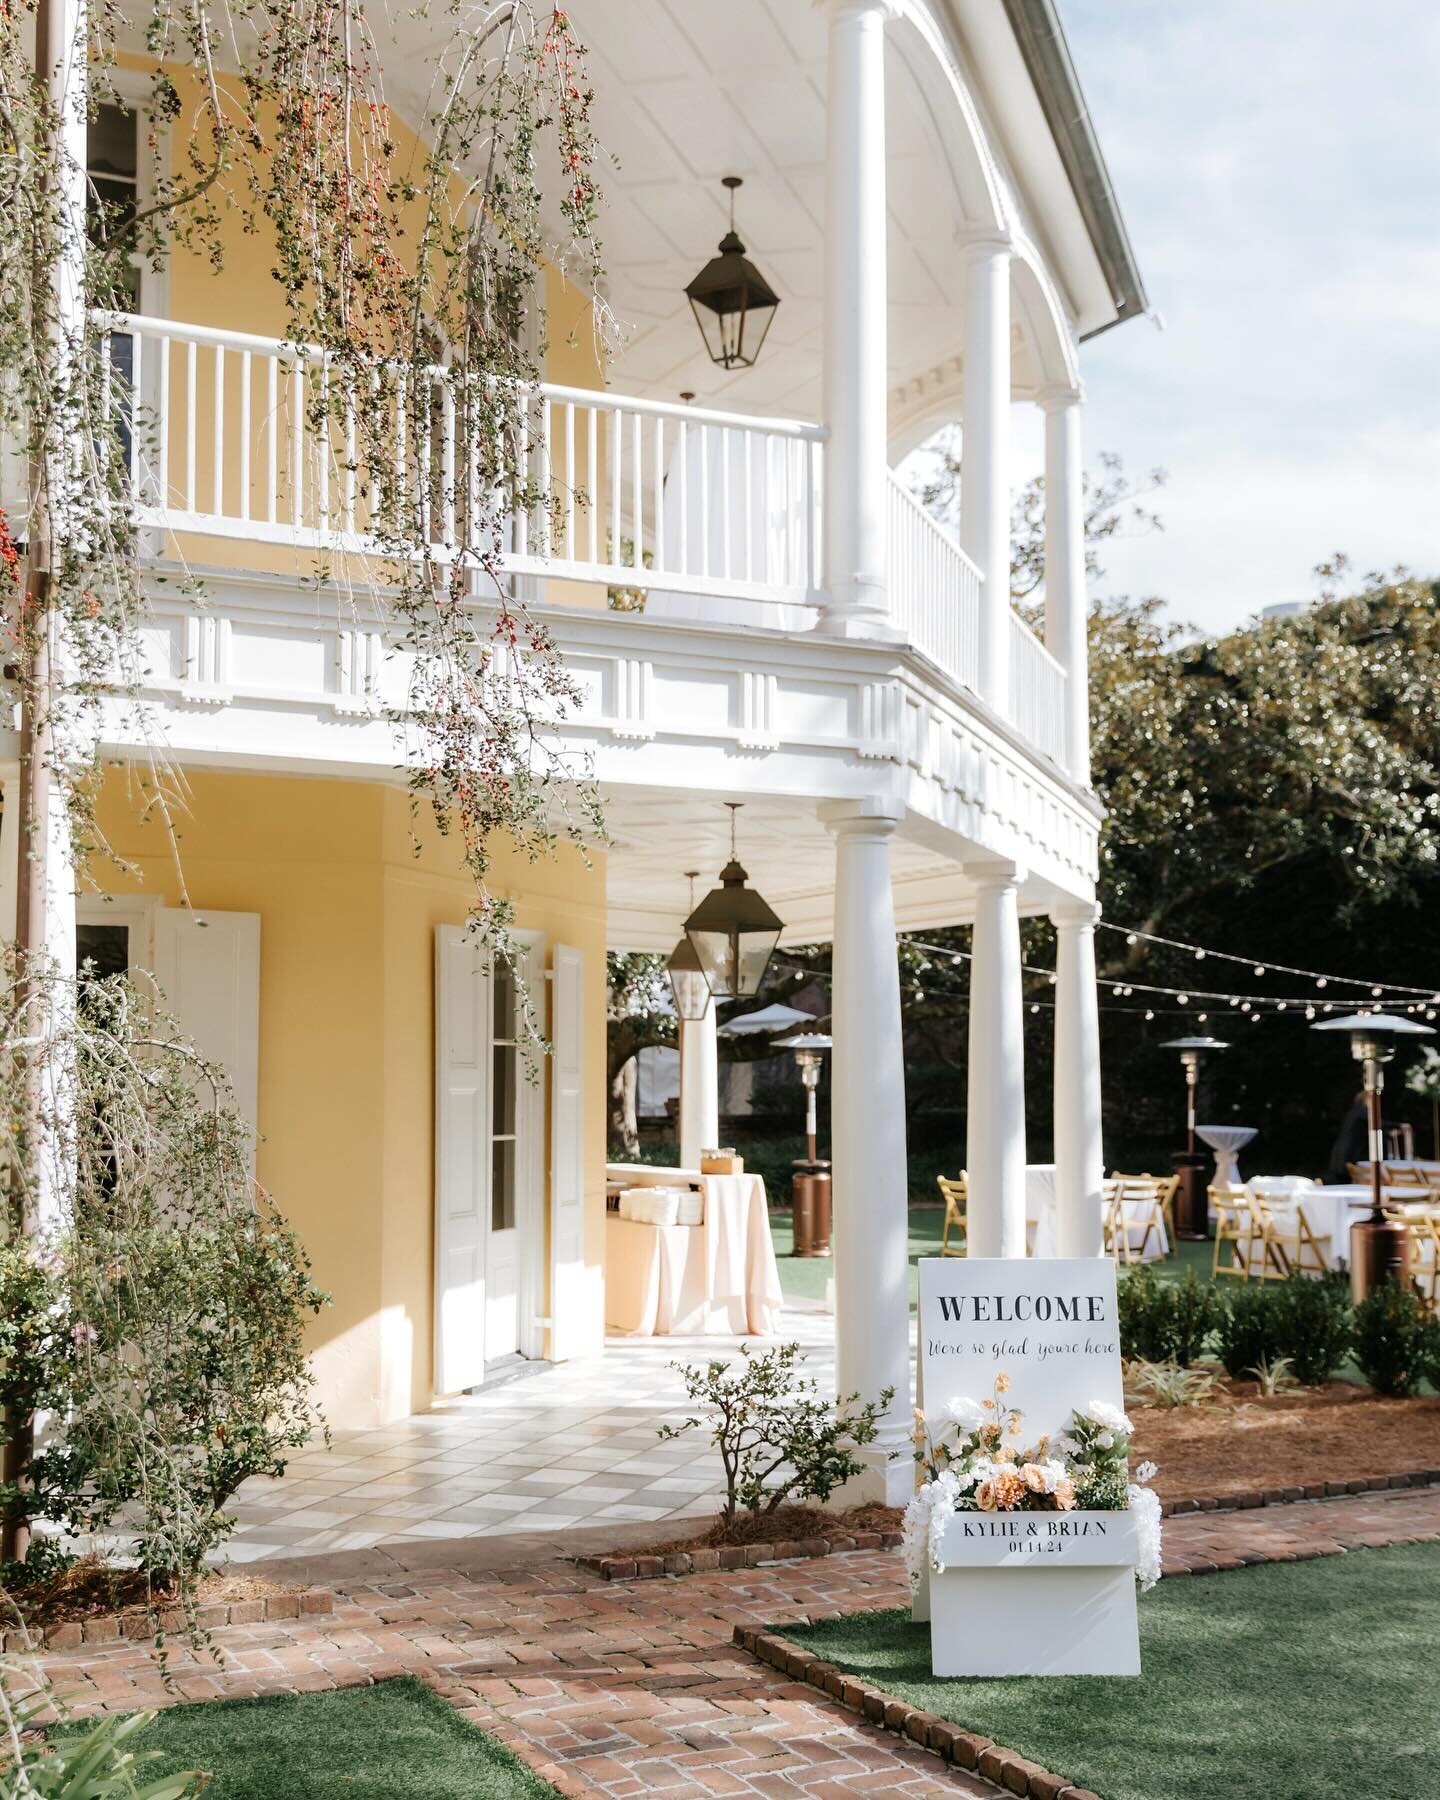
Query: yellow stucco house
pixel 924 190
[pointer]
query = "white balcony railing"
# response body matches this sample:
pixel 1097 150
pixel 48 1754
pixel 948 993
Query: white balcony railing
pixel 1037 691
pixel 234 436
pixel 934 588
pixel 230 435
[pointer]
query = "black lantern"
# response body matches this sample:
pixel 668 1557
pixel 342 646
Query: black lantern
pixel 732 301
pixel 733 930
pixel 687 978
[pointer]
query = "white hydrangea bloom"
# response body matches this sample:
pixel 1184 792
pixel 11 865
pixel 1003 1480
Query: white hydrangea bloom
pixel 965 1413
pixel 1146 1472
pixel 1109 1416
pixel 1145 1509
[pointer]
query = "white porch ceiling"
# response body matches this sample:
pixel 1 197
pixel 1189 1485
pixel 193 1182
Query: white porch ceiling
pixel 787 852
pixel 688 91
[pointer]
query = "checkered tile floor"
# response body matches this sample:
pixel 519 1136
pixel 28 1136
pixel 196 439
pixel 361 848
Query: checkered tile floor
pixel 568 1445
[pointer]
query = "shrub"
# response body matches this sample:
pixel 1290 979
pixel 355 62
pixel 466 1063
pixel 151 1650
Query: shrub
pixel 1397 1339
pixel 1165 1321
pixel 778 1440
pixel 1249 1330
pixel 1316 1323
pixel 162 1318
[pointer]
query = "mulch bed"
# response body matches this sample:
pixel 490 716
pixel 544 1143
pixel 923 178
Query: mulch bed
pixel 94 1602
pixel 1241 1444
pixel 787 1533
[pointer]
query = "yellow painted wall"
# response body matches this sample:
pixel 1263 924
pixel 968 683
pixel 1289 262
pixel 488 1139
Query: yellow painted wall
pixel 242 295
pixel 346 1097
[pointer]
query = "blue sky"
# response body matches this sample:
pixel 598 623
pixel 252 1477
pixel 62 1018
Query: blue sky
pixel 1278 165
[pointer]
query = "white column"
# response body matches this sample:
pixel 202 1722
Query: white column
pixel 867 1136
pixel 699 1088
pixel 995 1124
pixel 985 454
pixel 1079 1151
pixel 1066 608
pixel 856 470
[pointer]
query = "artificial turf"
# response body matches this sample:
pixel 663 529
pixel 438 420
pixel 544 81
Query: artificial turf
pixel 393 1741
pixel 1314 1679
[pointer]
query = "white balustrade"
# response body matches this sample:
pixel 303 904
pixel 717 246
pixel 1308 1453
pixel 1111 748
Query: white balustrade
pixel 934 588
pixel 1037 691
pixel 236 436
pixel 229 435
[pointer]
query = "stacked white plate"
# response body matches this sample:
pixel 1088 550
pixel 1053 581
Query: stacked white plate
pixel 661 1206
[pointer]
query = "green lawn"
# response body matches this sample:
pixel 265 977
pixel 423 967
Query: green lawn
pixel 804 1277
pixel 395 1741
pixel 1313 1678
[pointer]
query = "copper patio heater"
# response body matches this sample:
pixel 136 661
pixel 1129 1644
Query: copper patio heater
pixel 810 1184
pixel 1192 1209
pixel 1379 1246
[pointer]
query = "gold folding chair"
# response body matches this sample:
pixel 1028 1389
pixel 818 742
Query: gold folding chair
pixel 1423 1232
pixel 1287 1240
pixel 956 1197
pixel 1235 1226
pixel 1141 1194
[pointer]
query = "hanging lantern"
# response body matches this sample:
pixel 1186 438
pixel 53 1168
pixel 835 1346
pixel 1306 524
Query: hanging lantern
pixel 733 931
pixel 687 977
pixel 732 301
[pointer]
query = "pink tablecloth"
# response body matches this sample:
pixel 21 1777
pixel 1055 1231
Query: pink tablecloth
pixel 718 1279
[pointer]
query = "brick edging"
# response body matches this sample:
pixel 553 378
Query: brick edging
pixel 1248 1499
pixel 733 1556
pixel 749 1556
pixel 139 1622
pixel 952 1743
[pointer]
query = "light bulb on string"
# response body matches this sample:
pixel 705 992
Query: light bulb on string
pixel 1376 992
pixel 1149 1012
pixel 1280 1005
pixel 1203 1017
pixel 1199 956
pixel 1130 938
pixel 1244 1006
pixel 1320 981
pixel 1182 999
pixel 1309 1012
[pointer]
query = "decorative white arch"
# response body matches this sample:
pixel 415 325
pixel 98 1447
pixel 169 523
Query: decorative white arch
pixel 918 36
pixel 1049 333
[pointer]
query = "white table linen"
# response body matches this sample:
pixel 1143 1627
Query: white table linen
pixel 1042 1225
pixel 716 1279
pixel 1227 1141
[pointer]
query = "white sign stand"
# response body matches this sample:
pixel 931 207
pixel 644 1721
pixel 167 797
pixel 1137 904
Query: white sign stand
pixel 1027 1593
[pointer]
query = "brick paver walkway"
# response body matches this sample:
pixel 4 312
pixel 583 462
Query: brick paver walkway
pixel 634 1688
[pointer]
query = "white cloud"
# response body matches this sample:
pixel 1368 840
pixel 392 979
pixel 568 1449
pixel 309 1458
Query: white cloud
pixel 1277 167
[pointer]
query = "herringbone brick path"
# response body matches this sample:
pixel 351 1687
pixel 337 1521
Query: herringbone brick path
pixel 634 1688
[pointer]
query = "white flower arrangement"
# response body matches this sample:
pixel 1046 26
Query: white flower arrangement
pixel 974 1463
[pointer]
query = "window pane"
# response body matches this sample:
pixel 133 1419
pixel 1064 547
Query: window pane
pixel 502 1188
pixel 503 986
pixel 107 946
pixel 502 1117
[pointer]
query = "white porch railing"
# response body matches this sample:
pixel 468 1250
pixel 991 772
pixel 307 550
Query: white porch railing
pixel 1037 691
pixel 230 435
pixel 934 588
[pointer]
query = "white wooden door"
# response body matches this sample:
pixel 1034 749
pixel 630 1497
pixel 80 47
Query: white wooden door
pixel 462 1048
pixel 568 1327
pixel 207 966
pixel 502 1245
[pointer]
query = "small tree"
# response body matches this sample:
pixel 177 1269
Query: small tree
pixel 162 1316
pixel 778 1439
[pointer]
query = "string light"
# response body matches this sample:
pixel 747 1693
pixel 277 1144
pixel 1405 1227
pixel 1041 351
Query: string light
pixel 1134 935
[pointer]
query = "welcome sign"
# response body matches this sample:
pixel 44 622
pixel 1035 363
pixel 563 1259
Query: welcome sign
pixel 1027 1593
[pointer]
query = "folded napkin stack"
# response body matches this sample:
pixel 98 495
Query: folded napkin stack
pixel 662 1206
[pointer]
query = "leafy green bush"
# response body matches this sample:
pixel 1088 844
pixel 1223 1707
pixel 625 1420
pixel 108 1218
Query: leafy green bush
pixel 1316 1323
pixel 162 1319
pixel 1249 1333
pixel 1397 1339
pixel 778 1439
pixel 1165 1321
